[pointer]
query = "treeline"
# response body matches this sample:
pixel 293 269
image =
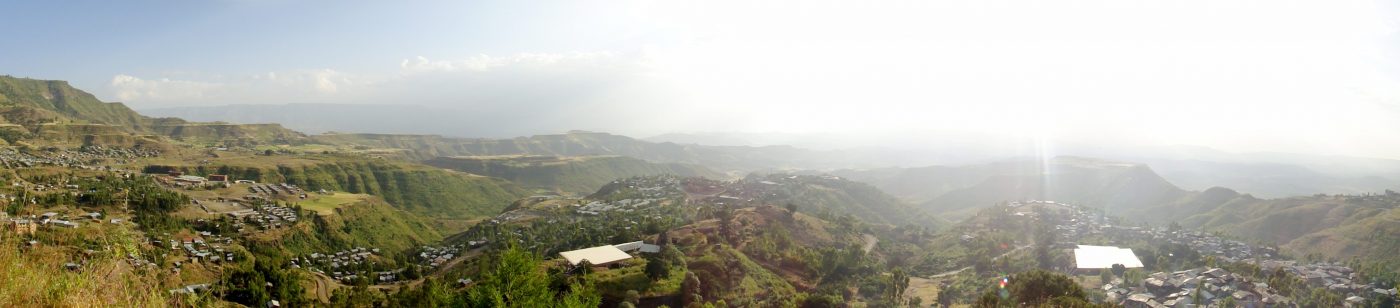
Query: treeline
pixel 151 203
pixel 563 230
pixel 511 277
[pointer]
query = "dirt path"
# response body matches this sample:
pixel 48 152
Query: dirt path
pixel 955 272
pixel 323 286
pixel 870 241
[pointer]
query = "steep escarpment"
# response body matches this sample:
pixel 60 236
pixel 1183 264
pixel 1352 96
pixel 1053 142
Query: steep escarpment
pixel 243 134
pixel 32 101
pixel 53 111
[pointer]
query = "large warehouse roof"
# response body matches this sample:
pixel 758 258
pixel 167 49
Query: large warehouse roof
pixel 1091 257
pixel 597 255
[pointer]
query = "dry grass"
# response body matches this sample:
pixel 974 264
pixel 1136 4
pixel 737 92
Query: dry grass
pixel 35 276
pixel 326 204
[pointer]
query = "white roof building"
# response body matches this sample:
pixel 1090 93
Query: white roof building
pixel 1097 257
pixel 597 255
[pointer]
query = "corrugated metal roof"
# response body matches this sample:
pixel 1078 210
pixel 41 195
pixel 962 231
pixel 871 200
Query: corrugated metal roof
pixel 596 255
pixel 1089 257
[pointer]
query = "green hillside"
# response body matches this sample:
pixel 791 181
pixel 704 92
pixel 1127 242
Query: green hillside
pixel 571 175
pixel 835 196
pixel 1333 226
pixel 1112 186
pixel 582 143
pixel 61 99
pixel 368 223
pixel 921 184
pixel 422 190
pixel 54 111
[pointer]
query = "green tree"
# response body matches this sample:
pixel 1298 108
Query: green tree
pixel 673 256
pixel 656 268
pixel 1037 287
pixel 1119 269
pixel 899 281
pixel 691 289
pixel 511 279
pixel 791 210
pixel 1044 238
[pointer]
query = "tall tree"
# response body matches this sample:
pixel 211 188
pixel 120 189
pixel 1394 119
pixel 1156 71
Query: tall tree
pixel 511 279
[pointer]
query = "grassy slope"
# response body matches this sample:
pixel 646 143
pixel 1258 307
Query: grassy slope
pixel 327 204
pixel 37 277
pixel 1113 186
pixel 61 98
pixel 1336 227
pixel 866 202
pixel 756 271
pixel 74 115
pixel 430 192
pixel 731 275
pixel 1371 237
pixel 368 223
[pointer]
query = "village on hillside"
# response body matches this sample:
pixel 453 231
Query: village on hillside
pixel 1192 287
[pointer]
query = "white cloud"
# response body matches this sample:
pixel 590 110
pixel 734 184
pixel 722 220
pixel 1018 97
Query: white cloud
pixel 1242 75
pixel 527 92
pixel 550 61
pixel 321 85
pixel 130 88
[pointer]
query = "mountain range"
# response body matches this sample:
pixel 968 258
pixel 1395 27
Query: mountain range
pixel 1185 191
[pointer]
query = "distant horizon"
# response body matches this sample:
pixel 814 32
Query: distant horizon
pixel 1239 76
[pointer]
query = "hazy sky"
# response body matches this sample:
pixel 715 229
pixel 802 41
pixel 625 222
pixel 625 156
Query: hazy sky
pixel 1314 76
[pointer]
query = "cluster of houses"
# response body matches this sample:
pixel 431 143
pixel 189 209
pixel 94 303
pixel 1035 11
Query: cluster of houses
pixel 267 216
pixel 595 207
pixel 197 249
pixel 1222 249
pixel 97 151
pixel 1081 222
pixel 337 260
pixel 1206 285
pixel 1201 287
pixel 388 276
pixel 1389 198
pixel 53 219
pixel 278 190
pixel 1333 277
pixel 342 264
pixel 82 158
pixel 181 179
pixel 647 188
pixel 432 257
